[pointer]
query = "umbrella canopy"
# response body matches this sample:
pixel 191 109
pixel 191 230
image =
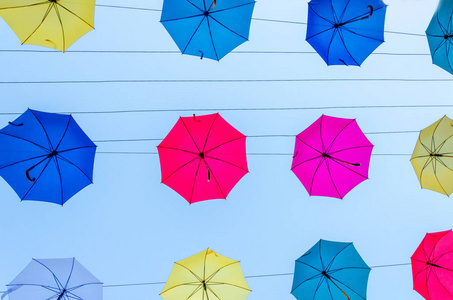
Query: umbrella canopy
pixel 330 271
pixel 331 157
pixel 207 28
pixel 432 158
pixel 345 32
pixel 202 158
pixel 440 36
pixel 432 266
pixel 206 275
pixel 46 156
pixel 54 24
pixel 58 279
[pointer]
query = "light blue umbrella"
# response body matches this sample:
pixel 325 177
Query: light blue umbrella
pixel 46 157
pixel 440 34
pixel 330 271
pixel 207 28
pixel 345 32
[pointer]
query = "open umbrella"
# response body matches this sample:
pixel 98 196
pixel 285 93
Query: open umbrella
pixel 432 158
pixel 207 28
pixel 345 32
pixel 202 158
pixel 330 271
pixel 206 275
pixel 49 23
pixel 57 279
pixel 432 266
pixel 46 157
pixel 440 35
pixel 331 157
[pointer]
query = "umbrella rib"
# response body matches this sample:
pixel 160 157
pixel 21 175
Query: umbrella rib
pixel 64 134
pixel 340 33
pixel 344 10
pixel 339 132
pixel 72 269
pixel 361 35
pixel 235 139
pixel 227 162
pixel 433 144
pixel 181 18
pixel 304 281
pixel 25 6
pixel 194 181
pixel 185 126
pixel 21 138
pixel 61 194
pixel 218 270
pixel 34 182
pixel 350 148
pixel 308 145
pixel 318 33
pixel 53 274
pixel 71 12
pixel 62 28
pixel 218 185
pixel 171 148
pixel 305 162
pixel 435 175
pixel 233 7
pixel 320 135
pixel 39 121
pixel 435 275
pixel 210 36
pixel 347 287
pixel 42 21
pixel 76 148
pixel 202 10
pixel 70 162
pixel 229 284
pixel 347 268
pixel 239 35
pixel 190 161
pixel 308 266
pixel 195 275
pixel 349 169
pixel 316 13
pixel 314 175
pixel 210 127
pixel 18 162
pixel 190 40
pixel 331 179
pixel 336 255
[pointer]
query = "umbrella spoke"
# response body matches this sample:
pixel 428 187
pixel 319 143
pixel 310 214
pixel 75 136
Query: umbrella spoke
pixel 227 162
pixel 213 121
pixel 75 15
pixel 224 143
pixel 340 32
pixel 229 29
pixel 331 179
pixel 24 139
pixel 194 181
pixel 76 166
pixel 185 126
pixel 62 31
pixel 25 6
pixel 190 40
pixel 233 7
pixel 336 136
pixel 182 18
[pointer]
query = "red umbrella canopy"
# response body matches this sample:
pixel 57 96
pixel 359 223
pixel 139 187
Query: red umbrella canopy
pixel 432 266
pixel 331 157
pixel 202 158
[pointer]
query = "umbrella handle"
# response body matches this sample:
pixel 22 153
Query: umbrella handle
pixel 213 4
pixel 371 12
pixel 11 123
pixel 27 173
pixel 340 289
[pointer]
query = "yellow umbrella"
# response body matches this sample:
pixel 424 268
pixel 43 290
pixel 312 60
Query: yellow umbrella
pixel 433 157
pixel 206 276
pixel 49 23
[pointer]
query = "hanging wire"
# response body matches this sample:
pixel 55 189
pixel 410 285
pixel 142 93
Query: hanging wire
pixel 257 19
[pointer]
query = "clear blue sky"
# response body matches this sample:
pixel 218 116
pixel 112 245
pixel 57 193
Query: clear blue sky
pixel 130 228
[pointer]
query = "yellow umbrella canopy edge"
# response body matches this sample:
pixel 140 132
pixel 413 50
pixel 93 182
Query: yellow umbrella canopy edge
pixel 432 158
pixel 206 276
pixel 54 24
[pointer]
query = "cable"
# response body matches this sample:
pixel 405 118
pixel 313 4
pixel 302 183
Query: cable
pixel 252 153
pixel 248 136
pixel 179 52
pixel 257 19
pixel 226 80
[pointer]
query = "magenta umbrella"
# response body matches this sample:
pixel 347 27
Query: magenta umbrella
pixel 331 157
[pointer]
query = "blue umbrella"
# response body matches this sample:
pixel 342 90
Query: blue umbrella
pixel 440 35
pixel 345 32
pixel 207 28
pixel 330 271
pixel 46 157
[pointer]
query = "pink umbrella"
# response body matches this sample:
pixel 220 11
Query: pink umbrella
pixel 432 266
pixel 202 158
pixel 331 157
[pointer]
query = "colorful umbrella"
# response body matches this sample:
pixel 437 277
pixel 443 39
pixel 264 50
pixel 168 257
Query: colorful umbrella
pixel 202 158
pixel 440 35
pixel 49 23
pixel 345 32
pixel 206 275
pixel 330 271
pixel 58 279
pixel 331 157
pixel 46 157
pixel 207 28
pixel 432 266
pixel 432 158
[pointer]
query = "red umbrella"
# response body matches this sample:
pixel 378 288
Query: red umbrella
pixel 432 266
pixel 202 158
pixel 331 157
